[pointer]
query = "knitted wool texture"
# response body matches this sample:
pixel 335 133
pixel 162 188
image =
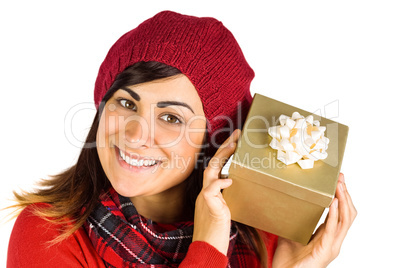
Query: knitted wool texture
pixel 202 49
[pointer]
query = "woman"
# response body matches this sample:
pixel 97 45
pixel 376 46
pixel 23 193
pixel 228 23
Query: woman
pixel 145 191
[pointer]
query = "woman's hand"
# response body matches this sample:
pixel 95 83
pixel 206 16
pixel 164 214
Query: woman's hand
pixel 212 215
pixel 327 240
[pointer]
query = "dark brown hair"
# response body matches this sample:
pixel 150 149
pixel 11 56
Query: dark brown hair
pixel 73 194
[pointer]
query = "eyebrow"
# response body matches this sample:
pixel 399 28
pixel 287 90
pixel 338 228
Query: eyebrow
pixel 161 104
pixel 132 93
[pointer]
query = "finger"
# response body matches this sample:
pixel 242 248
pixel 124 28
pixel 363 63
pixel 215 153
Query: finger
pixel 343 203
pixel 347 214
pixel 321 229
pixel 350 202
pixel 345 198
pixel 326 218
pixel 331 224
pixel 216 164
pixel 214 189
pixel 341 181
pixel 219 159
pixel 213 197
pixel 319 232
pixel 344 216
pixel 231 139
pixel 341 177
pixel 347 195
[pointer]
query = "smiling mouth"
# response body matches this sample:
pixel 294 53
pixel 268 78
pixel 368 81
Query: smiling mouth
pixel 137 162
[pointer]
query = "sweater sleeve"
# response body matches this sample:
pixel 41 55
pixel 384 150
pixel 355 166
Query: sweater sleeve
pixel 29 247
pixel 203 255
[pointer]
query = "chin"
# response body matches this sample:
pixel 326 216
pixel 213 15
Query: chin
pixel 125 188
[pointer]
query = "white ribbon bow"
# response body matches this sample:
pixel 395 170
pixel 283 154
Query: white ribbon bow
pixel 299 139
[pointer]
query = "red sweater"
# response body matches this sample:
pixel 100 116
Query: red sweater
pixel 28 247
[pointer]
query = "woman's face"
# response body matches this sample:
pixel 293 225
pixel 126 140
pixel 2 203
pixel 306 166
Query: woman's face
pixel 150 134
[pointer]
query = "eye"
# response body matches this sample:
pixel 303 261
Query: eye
pixel 171 119
pixel 128 104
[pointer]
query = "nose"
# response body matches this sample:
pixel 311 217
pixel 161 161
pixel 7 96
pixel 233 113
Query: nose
pixel 136 132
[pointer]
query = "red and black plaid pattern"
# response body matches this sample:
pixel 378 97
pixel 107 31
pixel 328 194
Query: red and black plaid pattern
pixel 123 238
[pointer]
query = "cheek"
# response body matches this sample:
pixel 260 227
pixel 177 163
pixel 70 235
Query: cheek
pixel 101 133
pixel 185 140
pixel 187 150
pixel 164 136
pixel 195 132
pixel 108 127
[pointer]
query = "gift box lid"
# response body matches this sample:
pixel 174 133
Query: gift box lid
pixel 256 161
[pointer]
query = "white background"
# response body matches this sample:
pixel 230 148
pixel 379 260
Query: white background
pixel 306 53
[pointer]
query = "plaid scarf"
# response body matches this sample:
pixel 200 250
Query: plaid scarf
pixel 123 238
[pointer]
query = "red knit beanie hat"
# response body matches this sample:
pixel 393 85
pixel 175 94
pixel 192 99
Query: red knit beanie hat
pixel 202 49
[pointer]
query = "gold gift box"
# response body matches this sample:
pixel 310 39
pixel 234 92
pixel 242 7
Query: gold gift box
pixel 285 200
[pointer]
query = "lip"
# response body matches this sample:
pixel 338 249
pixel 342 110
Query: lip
pixel 131 168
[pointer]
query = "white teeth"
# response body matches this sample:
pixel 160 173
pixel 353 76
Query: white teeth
pixel 135 162
pixel 122 155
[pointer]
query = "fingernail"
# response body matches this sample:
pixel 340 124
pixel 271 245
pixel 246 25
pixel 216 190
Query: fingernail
pixel 341 186
pixel 228 181
pixel 342 177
